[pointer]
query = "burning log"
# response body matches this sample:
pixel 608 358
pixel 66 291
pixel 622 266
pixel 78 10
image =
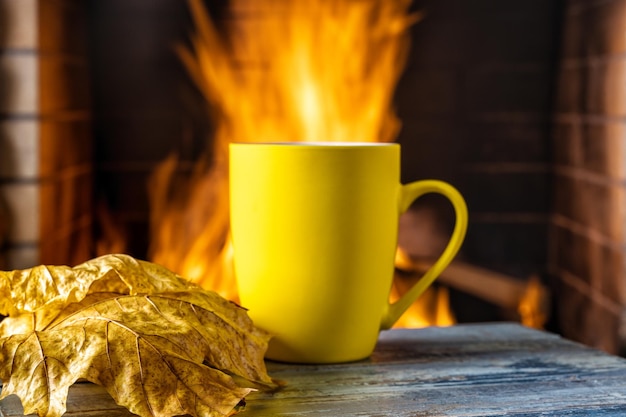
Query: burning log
pixel 529 299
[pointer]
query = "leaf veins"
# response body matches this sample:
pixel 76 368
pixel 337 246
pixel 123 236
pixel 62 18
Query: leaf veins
pixel 159 345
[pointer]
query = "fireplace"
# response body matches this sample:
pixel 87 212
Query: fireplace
pixel 519 104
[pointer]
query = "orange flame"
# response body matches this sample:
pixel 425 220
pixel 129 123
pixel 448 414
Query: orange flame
pixel 282 71
pixel 320 70
pixel 431 309
pixel 533 306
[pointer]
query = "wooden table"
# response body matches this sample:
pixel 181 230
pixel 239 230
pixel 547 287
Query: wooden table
pixel 500 369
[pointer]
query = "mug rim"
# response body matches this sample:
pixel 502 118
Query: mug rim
pixel 329 144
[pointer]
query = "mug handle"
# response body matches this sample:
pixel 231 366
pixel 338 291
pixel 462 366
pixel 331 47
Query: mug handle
pixel 409 193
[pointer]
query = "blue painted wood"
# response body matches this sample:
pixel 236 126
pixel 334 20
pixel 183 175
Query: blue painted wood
pixel 470 370
pixel 500 369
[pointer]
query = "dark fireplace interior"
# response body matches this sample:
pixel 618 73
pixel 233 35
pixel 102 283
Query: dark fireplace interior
pixel 519 104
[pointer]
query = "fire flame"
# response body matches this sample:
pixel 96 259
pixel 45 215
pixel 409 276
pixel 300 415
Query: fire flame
pixel 431 309
pixel 533 306
pixel 281 71
pixel 302 70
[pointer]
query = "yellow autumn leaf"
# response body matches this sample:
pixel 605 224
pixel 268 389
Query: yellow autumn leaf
pixel 34 297
pixel 172 349
pixel 44 286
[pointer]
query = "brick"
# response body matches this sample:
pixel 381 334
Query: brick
pixel 143 139
pixel 507 88
pixel 440 86
pixel 601 330
pixel 19 149
pixel 22 201
pixel 482 8
pixel 573 33
pixel 66 198
pixel 570 89
pixel 515 248
pixel 587 321
pixel 63 85
pixel 603 148
pixel 506 142
pixel 65 144
pixel 75 246
pixel 523 191
pixel 127 189
pixel 453 39
pixel 431 148
pixel 19 19
pixel 598 264
pixel 597 23
pixel 565 140
pixel 18 83
pixel 22 257
pixel 611 281
pixel 63 27
pixel 595 205
pixel 571 252
pixel 605 87
pixel 595 146
pixel 571 314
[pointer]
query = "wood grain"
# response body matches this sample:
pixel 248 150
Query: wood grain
pixel 499 369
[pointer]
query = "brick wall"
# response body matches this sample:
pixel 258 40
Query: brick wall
pixel 145 107
pixel 475 102
pixel 45 143
pixel 587 226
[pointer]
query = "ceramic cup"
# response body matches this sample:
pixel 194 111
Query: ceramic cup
pixel 314 228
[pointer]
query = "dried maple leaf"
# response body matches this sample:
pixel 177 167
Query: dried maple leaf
pixel 28 290
pixel 35 296
pixel 169 349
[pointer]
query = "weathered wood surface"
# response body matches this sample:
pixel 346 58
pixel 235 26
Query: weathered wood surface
pixel 497 369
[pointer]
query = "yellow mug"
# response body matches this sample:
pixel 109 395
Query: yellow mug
pixel 314 228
